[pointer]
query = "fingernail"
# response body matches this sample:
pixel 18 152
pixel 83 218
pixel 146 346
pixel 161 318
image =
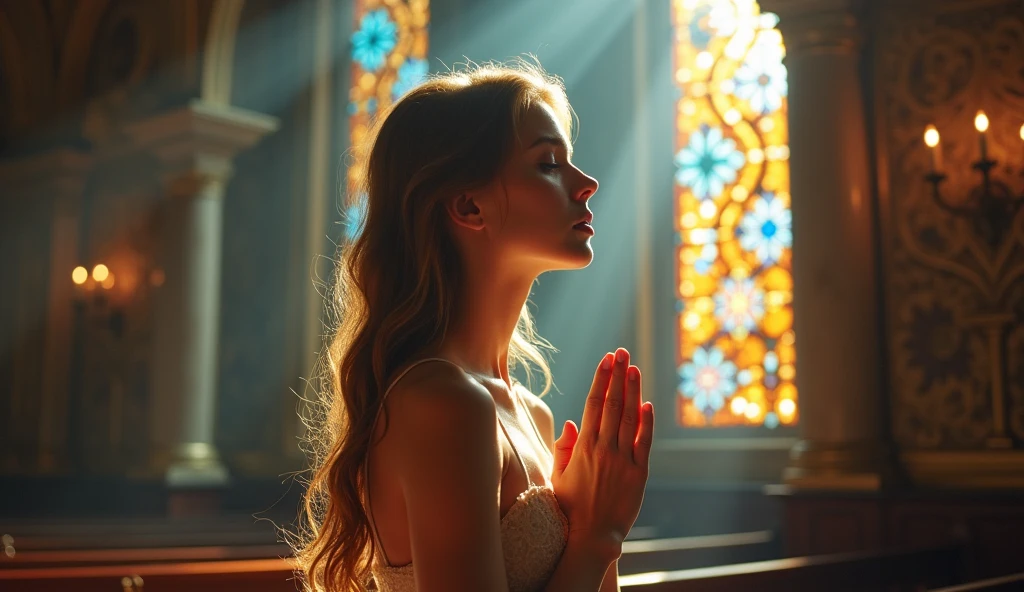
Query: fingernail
pixel 620 355
pixel 633 373
pixel 606 363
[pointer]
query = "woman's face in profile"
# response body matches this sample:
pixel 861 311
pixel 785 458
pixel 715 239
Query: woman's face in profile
pixel 542 197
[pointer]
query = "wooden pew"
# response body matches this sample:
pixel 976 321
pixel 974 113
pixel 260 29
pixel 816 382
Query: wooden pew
pixel 82 557
pixel 639 556
pixel 209 569
pixel 251 575
pixel 1010 583
pixel 890 571
pixel 122 533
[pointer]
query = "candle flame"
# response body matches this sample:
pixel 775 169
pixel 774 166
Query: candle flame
pixel 100 272
pixel 1022 132
pixel 981 122
pixel 931 136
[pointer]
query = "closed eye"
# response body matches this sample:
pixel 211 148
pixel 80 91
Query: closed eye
pixel 549 166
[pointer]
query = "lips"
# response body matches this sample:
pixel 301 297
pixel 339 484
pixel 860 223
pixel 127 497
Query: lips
pixel 588 219
pixel 584 224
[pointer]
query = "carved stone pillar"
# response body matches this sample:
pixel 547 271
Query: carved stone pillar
pixel 834 265
pixel 195 146
pixel 49 186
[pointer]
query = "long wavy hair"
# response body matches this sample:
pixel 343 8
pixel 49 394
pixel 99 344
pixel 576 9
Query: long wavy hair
pixel 396 285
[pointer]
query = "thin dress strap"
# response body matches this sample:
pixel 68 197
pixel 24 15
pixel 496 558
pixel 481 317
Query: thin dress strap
pixel 529 481
pixel 366 466
pixel 529 415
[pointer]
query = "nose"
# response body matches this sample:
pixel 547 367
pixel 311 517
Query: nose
pixel 587 188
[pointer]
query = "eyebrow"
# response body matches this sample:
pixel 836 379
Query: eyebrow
pixel 553 140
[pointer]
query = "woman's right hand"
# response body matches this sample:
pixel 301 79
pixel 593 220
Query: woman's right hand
pixel 601 470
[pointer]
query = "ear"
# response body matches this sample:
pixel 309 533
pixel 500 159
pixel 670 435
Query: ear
pixel 465 211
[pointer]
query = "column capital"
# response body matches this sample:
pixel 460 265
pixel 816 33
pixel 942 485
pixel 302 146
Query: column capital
pixel 60 172
pixel 197 143
pixel 816 26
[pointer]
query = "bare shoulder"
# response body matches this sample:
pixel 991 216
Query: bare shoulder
pixel 436 399
pixel 448 460
pixel 542 415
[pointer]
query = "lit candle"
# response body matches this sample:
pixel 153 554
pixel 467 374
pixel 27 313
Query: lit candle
pixel 79 275
pixel 931 139
pixel 981 124
pixel 100 272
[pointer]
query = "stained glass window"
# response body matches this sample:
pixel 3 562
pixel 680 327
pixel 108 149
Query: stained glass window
pixel 732 217
pixel 389 57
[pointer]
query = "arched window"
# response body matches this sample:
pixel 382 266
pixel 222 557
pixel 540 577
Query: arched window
pixel 735 338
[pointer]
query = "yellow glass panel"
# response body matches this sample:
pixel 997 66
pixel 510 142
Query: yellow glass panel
pixel 733 264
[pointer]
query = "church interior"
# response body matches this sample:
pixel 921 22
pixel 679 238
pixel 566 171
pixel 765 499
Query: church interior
pixel 809 236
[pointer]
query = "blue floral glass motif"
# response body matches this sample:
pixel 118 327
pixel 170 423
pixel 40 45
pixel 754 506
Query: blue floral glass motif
pixel 708 162
pixel 410 73
pixel 376 37
pixel 767 229
pixel 708 379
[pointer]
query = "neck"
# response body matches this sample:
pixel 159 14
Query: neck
pixel 483 325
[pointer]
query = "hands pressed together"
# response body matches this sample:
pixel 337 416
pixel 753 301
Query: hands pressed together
pixel 601 469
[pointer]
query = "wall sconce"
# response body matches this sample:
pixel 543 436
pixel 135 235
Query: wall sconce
pixel 108 294
pixel 991 206
pixel 94 290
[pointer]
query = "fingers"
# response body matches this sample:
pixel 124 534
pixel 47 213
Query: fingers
pixel 611 414
pixel 645 437
pixel 564 446
pixel 630 409
pixel 595 400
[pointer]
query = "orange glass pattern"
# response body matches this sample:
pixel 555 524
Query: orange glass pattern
pixel 734 286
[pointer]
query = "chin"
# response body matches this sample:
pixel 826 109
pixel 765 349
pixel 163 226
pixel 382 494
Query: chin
pixel 577 257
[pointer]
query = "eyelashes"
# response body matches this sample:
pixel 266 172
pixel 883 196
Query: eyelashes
pixel 549 166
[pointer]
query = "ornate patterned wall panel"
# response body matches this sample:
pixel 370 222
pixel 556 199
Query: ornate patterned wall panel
pixel 955 302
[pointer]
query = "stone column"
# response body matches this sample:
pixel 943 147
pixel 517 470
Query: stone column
pixel 51 185
pixel 195 146
pixel 834 245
